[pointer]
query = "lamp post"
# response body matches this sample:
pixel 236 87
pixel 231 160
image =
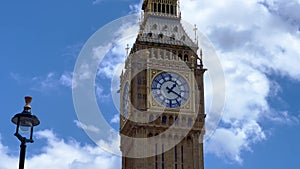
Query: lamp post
pixel 25 122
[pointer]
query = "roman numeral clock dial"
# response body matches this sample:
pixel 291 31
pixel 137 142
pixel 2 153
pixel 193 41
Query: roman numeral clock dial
pixel 170 89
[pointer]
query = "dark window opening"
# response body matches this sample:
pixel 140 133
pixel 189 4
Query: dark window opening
pixel 156 157
pixel 182 164
pixel 163 158
pixel 180 56
pixel 186 57
pixel 159 7
pixel 161 35
pixel 168 9
pixel 175 156
pixel 164 120
pixel 172 10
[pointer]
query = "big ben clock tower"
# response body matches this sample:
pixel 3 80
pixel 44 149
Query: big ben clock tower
pixel 162 96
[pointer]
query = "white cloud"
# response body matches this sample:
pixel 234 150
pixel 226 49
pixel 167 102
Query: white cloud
pixel 117 53
pixel 112 143
pixel 100 93
pixel 253 39
pixel 115 119
pixel 45 83
pixel 62 154
pixel 87 127
pixel 52 81
pixel 66 79
pixel 237 138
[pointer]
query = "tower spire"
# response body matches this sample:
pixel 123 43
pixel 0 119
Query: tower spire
pixel 195 29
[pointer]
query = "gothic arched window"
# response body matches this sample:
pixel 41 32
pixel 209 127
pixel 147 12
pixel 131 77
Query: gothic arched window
pixel 186 57
pixel 180 56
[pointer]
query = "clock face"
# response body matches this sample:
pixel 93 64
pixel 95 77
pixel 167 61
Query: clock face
pixel 170 89
pixel 125 100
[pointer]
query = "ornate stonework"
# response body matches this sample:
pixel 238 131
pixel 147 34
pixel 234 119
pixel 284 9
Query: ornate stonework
pixel 170 122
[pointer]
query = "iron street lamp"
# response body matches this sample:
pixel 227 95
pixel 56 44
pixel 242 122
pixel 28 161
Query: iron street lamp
pixel 25 122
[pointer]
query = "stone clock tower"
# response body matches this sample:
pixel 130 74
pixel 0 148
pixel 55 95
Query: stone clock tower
pixel 162 97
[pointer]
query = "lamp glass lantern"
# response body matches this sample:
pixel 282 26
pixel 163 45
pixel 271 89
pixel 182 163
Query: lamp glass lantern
pixel 25 121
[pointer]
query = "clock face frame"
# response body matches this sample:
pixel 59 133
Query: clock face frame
pixel 170 89
pixel 125 103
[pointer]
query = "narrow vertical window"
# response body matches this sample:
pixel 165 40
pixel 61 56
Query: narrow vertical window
pixel 164 120
pixel 176 121
pixel 182 164
pixel 155 7
pixel 163 8
pixel 175 156
pixel 186 57
pixel 159 7
pixel 156 158
pixel 168 9
pixel 163 157
pixel 180 56
pixel 190 121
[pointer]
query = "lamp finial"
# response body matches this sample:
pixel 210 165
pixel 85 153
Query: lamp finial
pixel 28 100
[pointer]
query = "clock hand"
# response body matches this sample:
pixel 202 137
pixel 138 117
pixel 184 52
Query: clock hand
pixel 174 85
pixel 176 93
pixel 171 90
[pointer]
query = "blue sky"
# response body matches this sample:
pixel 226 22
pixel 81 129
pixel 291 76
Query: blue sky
pixel 258 44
